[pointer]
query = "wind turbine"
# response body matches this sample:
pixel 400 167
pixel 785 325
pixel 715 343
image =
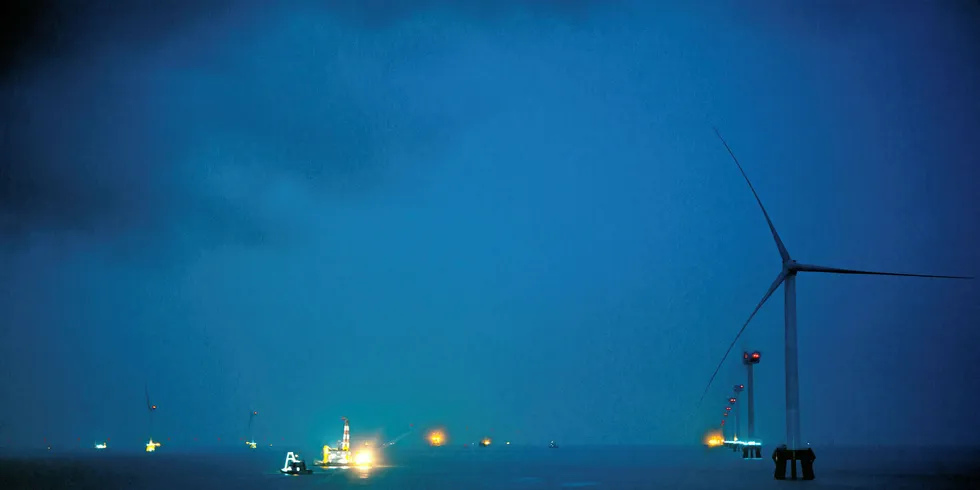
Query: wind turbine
pixel 150 445
pixel 750 360
pixel 737 390
pixel 251 440
pixel 787 278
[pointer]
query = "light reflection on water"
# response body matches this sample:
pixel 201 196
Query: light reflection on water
pixel 362 472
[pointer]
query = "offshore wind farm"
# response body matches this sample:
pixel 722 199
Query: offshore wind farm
pixel 491 244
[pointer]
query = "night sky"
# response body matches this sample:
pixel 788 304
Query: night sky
pixel 512 217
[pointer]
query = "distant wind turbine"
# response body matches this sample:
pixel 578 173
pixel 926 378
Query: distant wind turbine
pixel 251 440
pixel 149 407
pixel 787 277
pixel 411 429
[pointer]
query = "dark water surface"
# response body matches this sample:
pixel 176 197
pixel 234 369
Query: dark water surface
pixel 496 467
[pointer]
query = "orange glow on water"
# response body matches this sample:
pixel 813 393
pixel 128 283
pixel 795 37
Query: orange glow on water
pixel 437 438
pixel 713 439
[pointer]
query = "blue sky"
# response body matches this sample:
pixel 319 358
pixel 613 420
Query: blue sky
pixel 505 218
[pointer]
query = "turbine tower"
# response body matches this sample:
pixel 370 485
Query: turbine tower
pixel 787 278
pixel 750 360
pixel 151 445
pixel 731 402
pixel 736 390
pixel 728 410
pixel 251 440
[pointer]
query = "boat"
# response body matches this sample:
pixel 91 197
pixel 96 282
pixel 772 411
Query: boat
pixel 294 465
pixel 553 445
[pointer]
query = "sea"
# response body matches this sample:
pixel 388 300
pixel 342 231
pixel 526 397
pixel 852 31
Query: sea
pixel 494 467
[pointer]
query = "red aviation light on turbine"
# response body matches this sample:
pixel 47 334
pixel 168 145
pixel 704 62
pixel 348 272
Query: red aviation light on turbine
pixel 731 400
pixel 728 408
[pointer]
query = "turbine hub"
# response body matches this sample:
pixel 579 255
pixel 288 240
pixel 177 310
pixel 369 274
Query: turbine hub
pixel 791 265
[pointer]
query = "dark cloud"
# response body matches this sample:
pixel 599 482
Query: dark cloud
pixel 123 118
pixel 382 14
pixel 839 20
pixel 84 147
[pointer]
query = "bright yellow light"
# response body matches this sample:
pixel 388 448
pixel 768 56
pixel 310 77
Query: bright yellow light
pixel 714 439
pixel 364 457
pixel 152 446
pixel 437 438
pixel 486 442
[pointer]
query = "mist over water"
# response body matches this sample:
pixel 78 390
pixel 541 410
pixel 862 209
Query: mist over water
pixel 601 467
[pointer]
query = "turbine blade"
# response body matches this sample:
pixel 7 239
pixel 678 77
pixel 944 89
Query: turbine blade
pixel 783 253
pixel 836 270
pixel 772 289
